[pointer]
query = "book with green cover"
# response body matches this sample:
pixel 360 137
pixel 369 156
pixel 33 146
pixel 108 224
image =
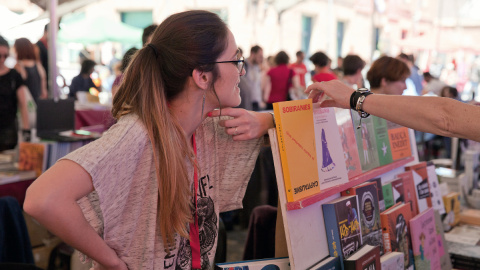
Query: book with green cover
pixel 381 139
pixel 365 136
pixel 388 195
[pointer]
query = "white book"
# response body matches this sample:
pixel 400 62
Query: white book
pixel 392 261
pixel 332 170
pixel 435 191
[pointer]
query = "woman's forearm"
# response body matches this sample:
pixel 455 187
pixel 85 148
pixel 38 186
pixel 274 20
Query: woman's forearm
pixel 442 116
pixel 65 220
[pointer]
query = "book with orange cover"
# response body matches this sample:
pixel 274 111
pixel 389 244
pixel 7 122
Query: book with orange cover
pixel 396 231
pixel 399 141
pixel 422 187
pixel 409 193
pixel 32 157
pixel 296 143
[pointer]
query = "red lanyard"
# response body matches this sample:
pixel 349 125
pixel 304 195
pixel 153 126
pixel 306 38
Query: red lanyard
pixel 194 232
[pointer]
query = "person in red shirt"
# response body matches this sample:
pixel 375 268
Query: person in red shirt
pixel 300 68
pixel 322 67
pixel 279 79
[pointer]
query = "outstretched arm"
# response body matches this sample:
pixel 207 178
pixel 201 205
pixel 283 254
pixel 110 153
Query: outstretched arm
pixel 441 116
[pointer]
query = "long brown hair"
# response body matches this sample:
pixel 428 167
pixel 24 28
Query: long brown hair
pixel 156 75
pixel 25 49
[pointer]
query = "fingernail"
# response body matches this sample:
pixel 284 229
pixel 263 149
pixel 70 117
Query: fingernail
pixel 209 114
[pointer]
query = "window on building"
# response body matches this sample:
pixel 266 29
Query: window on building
pixel 340 35
pixel 140 19
pixel 306 34
pixel 377 38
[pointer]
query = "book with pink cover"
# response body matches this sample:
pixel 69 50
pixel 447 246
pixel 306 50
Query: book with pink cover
pixel 424 241
pixel 349 143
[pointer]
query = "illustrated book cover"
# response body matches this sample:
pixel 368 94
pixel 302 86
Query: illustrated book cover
pixel 388 195
pixel 392 261
pixel 435 192
pixel 32 157
pixel 369 213
pixel 332 170
pixel 349 143
pixel 399 141
pixel 366 145
pixel 409 193
pixel 382 140
pixel 396 232
pixel 296 142
pixel 445 262
pixel 424 241
pixel 397 190
pixel 452 210
pixel 263 264
pixel 381 201
pixel 422 187
pixel 366 258
pixel 342 226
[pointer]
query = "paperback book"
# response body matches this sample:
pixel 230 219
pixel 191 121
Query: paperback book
pixel 392 261
pixel 296 142
pixel 445 262
pixel 349 144
pixel 369 213
pixel 342 226
pixel 382 140
pixel 437 201
pixel 399 141
pixel 424 241
pixel 396 232
pixel 263 264
pixel 32 157
pixel 422 187
pixel 366 258
pixel 366 145
pixel 397 190
pixel 388 195
pixel 409 193
pixel 381 201
pixel 452 209
pixel 330 157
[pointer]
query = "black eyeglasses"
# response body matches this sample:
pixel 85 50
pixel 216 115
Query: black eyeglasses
pixel 239 63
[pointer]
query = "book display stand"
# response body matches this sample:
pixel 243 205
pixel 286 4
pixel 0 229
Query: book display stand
pixel 303 220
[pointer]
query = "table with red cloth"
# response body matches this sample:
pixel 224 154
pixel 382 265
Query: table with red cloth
pixel 16 190
pixel 93 117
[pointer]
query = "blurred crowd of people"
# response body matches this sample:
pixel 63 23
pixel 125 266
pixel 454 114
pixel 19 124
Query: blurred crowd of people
pixel 268 79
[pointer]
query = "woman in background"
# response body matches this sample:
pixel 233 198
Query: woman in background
pixel 12 97
pixel 30 68
pixel 387 75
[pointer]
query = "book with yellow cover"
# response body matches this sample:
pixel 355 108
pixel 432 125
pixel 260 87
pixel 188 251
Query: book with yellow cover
pixel 296 142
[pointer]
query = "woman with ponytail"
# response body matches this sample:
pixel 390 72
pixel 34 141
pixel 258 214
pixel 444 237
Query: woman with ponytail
pixel 148 193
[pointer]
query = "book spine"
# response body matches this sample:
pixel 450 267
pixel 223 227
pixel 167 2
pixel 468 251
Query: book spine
pixel 333 235
pixel 283 153
pixel 387 245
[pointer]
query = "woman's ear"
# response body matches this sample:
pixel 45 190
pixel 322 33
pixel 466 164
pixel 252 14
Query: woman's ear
pixel 383 82
pixel 202 79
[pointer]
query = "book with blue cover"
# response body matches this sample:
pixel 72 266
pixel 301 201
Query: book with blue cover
pixel 342 226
